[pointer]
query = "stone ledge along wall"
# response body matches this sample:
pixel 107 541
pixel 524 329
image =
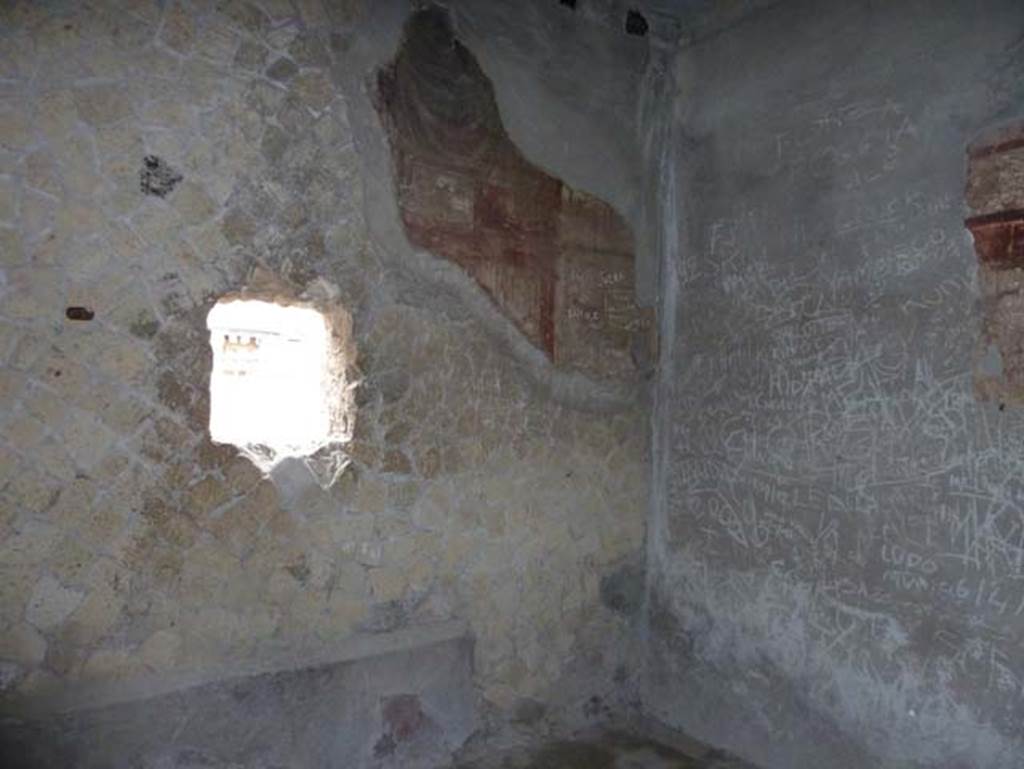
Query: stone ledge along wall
pixel 836 571
pixel 151 156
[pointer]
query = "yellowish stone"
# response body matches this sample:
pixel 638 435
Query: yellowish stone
pixel 56 114
pixel 100 105
pixel 193 204
pixel 51 603
pixel 178 31
pixel 15 130
pixel 22 644
pixel 206 496
pixel 8 199
pixel 160 652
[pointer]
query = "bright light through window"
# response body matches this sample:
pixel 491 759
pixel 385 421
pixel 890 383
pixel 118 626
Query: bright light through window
pixel 270 389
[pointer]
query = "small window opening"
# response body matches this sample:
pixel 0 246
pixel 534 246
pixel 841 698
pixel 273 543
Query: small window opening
pixel 277 388
pixel 569 3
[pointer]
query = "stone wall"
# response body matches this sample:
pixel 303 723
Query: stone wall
pixel 835 562
pixel 151 157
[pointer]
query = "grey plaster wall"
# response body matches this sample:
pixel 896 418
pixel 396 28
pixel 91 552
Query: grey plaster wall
pixel 837 534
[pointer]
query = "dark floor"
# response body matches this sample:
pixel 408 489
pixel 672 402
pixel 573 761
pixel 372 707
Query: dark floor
pixel 613 750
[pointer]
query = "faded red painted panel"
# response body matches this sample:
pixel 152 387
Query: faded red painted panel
pixel 995 193
pixel 999 238
pixel 986 150
pixel 558 262
pixel 402 716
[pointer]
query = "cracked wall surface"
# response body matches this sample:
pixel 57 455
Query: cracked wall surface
pixel 150 157
pixel 835 557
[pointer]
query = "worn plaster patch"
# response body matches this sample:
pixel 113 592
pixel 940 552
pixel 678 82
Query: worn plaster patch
pixel 51 603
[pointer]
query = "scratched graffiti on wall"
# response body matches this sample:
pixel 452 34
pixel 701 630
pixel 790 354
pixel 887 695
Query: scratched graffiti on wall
pixel 840 509
pixel 558 262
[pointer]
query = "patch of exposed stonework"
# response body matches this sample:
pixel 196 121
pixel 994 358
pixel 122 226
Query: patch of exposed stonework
pixel 133 548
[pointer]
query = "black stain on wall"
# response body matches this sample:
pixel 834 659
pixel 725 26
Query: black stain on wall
pixel 636 24
pixel 622 590
pixel 157 177
pixel 385 746
pixel 79 313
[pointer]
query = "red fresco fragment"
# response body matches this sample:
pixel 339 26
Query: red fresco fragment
pixel 999 238
pixel 467 194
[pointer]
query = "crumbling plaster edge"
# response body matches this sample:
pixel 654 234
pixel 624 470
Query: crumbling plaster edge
pixel 373 45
